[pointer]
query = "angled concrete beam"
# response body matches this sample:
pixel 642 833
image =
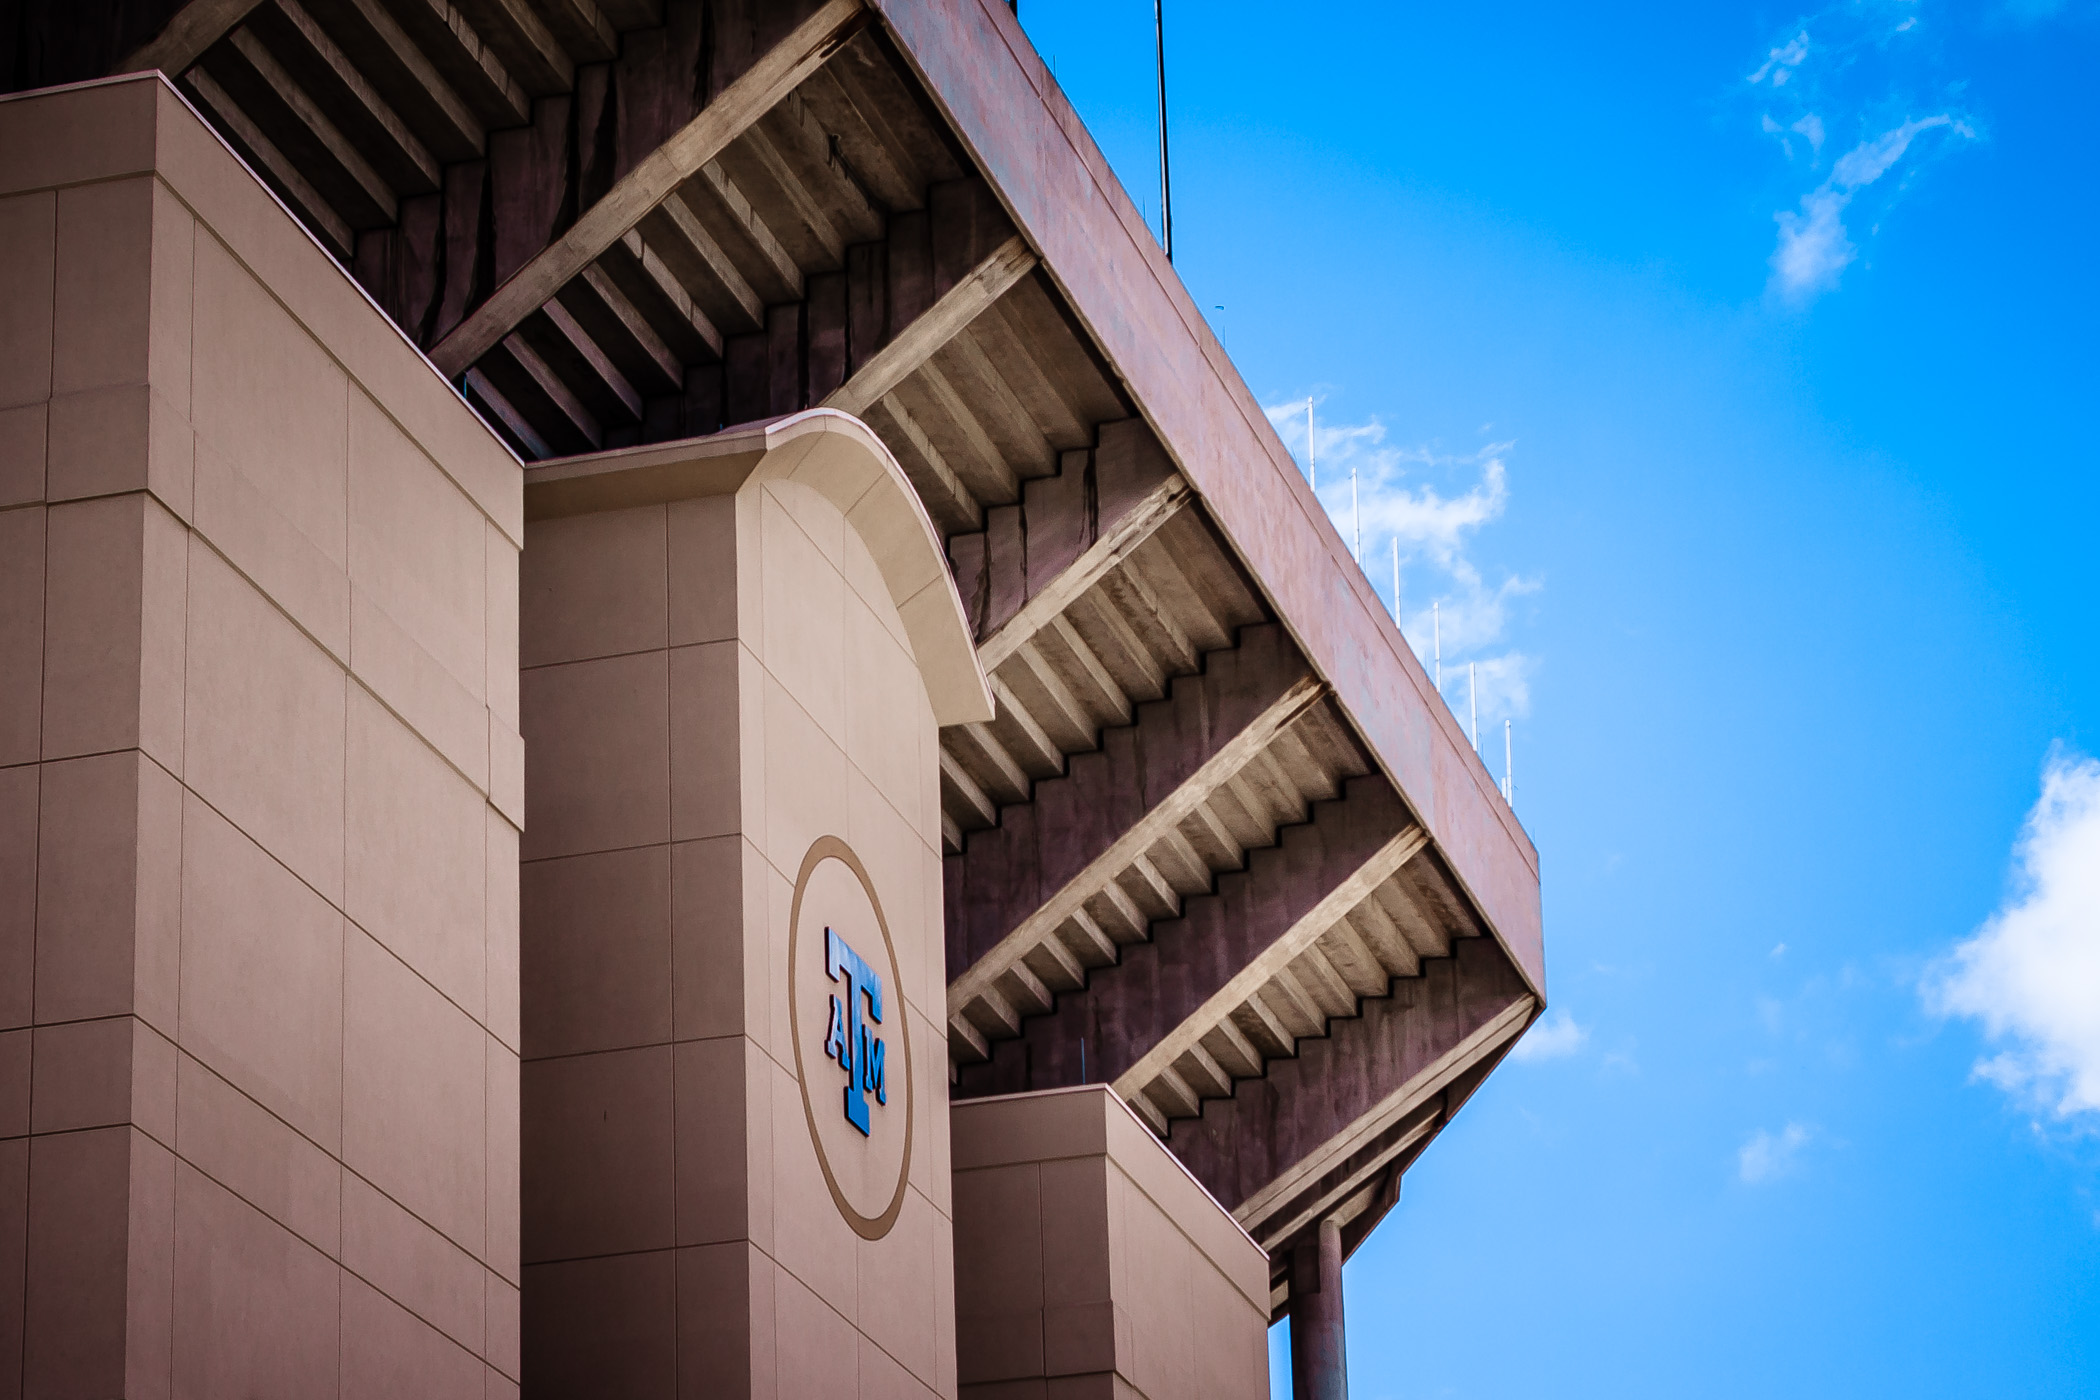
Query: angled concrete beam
pixel 183 40
pixel 1140 524
pixel 941 323
pixel 1266 1150
pixel 651 182
pixel 1009 874
pixel 1347 893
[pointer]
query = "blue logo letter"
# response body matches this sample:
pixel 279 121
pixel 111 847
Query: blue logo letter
pixel 847 1038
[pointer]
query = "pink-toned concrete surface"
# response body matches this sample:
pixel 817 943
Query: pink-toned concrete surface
pixel 1089 1262
pixel 714 680
pixel 986 76
pixel 260 785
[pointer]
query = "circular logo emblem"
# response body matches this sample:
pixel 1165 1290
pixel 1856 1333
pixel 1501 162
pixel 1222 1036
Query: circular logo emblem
pixel 852 1048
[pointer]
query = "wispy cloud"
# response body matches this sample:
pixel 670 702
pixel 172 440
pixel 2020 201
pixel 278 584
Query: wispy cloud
pixel 1813 246
pixel 1431 506
pixel 1769 1155
pixel 1859 72
pixel 2031 974
pixel 1553 1037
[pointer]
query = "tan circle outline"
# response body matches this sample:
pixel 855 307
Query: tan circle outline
pixel 831 848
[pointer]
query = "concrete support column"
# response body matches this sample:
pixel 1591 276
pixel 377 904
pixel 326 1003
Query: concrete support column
pixel 1319 1363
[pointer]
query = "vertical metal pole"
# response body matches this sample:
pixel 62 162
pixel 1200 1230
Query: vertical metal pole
pixel 1166 188
pixel 1396 580
pixel 1473 701
pixel 1312 459
pixel 1356 520
pixel 1509 784
pixel 1319 1352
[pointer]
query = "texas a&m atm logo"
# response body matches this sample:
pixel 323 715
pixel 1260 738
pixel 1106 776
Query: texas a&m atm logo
pixel 849 1019
pixel 850 1038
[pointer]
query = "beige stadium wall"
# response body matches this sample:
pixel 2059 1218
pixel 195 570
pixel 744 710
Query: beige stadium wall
pixel 735 653
pixel 260 792
pixel 1091 1266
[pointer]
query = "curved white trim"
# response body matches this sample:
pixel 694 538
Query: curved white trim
pixel 843 460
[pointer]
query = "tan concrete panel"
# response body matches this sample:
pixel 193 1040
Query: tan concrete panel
pixel 258 1156
pixel 21 634
pixel 79 1186
pixel 504 1206
pixel 887 713
pixel 811 1240
pixel 882 1377
pixel 257 1310
pixel 896 1301
pixel 79 133
pixel 417 545
pixel 18 825
pixel 707 777
pixel 24 432
pixel 244 522
pixel 595 946
pixel 416 854
pixel 803 642
pixel 262 976
pixel 412 1264
pixel 28 274
pixel 594 585
pixel 105 912
pixel 99 1074
pixel 264 724
pixel 501 1339
pixel 113 643
pixel 726 1337
pixel 817 1351
pixel 14 1241
pixel 598 733
pixel 703 570
pixel 102 298
pixel 414 1093
pixel 598 1136
pixel 722 980
pixel 501 947
pixel 414 684
pixel 388 1351
pixel 724 1167
pixel 14 1083
pixel 931 1173
pixel 602 1326
pixel 270 399
pixel 125 438
pixel 895 854
pixel 805 772
pixel 501 624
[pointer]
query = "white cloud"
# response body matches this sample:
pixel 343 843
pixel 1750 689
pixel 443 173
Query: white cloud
pixel 1813 247
pixel 1781 63
pixel 1768 1155
pixel 2031 974
pixel 1551 1037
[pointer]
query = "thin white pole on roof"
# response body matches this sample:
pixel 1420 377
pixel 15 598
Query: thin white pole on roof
pixel 1356 520
pixel 1312 459
pixel 1436 632
pixel 1396 580
pixel 1509 783
pixel 1473 700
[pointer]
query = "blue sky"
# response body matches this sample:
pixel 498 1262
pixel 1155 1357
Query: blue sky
pixel 1727 376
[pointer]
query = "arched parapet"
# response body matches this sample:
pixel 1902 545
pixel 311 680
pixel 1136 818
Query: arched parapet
pixel 841 459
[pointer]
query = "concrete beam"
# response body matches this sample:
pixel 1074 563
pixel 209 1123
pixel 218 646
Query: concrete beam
pixel 1279 1136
